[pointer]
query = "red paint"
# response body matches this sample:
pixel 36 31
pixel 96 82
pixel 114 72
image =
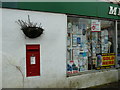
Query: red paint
pixel 96 31
pixel 33 69
pixel 71 61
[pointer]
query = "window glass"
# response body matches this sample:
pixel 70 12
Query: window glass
pixel 90 44
pixel 118 28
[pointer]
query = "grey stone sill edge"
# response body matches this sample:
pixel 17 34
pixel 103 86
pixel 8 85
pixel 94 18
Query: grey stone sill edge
pixel 90 71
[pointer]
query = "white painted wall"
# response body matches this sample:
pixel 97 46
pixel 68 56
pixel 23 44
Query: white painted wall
pixel 53 54
pixel 52 43
pixel 0 47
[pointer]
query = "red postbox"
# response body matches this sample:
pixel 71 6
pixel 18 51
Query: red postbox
pixel 32 60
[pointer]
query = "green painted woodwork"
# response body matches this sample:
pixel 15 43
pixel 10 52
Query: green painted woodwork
pixel 94 9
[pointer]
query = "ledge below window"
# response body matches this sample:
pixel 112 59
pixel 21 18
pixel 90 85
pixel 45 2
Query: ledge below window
pixel 89 71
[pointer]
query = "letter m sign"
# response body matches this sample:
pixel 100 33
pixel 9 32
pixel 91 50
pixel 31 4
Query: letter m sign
pixel 113 10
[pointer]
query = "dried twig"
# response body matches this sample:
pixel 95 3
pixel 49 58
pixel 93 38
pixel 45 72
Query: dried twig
pixel 25 24
pixel 18 67
pixel 28 28
pixel 28 19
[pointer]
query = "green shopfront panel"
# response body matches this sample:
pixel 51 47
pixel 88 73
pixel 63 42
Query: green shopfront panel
pixel 94 9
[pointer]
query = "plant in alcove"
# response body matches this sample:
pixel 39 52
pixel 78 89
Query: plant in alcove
pixel 30 29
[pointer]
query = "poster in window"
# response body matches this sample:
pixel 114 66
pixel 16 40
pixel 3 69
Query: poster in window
pixel 68 54
pixel 99 60
pixel 75 66
pixel 108 59
pixel 75 54
pixel 75 29
pixel 78 40
pixel 69 27
pixel 74 41
pixel 95 26
pixel 69 66
pixel 68 41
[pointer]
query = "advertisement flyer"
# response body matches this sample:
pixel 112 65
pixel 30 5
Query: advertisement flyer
pixel 72 66
pixel 75 66
pixel 75 54
pixel 78 40
pixel 68 54
pixel 74 41
pixel 108 59
pixel 68 41
pixel 69 67
pixel 95 26
pixel 99 60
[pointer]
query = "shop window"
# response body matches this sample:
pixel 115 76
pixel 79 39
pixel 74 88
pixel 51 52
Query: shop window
pixel 90 44
pixel 118 28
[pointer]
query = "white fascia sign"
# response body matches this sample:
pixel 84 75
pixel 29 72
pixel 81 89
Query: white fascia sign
pixel 114 11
